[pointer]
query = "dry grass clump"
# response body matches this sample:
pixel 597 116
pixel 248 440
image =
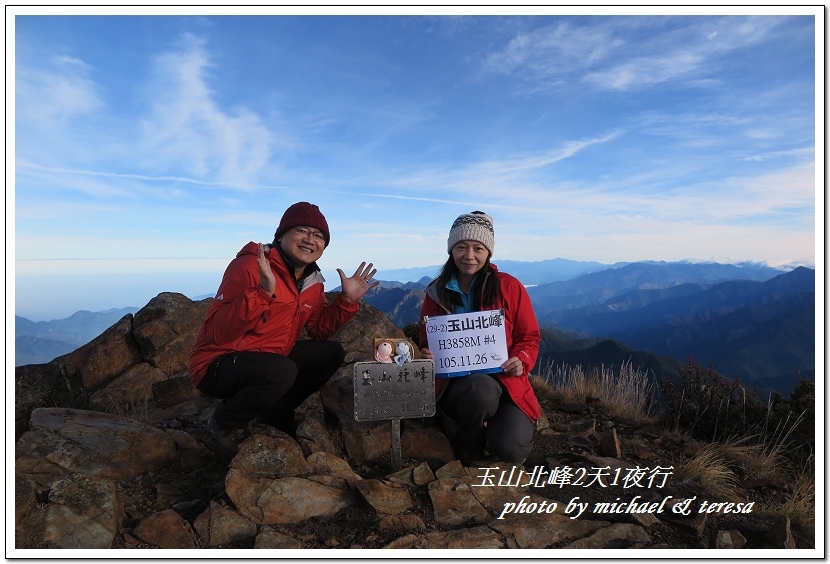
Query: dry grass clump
pixel 138 410
pixel 800 505
pixel 626 394
pixel 737 449
pixel 762 455
pixel 711 471
pixel 541 387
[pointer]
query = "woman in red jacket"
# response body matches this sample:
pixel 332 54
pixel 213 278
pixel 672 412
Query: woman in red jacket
pixel 247 351
pixel 493 412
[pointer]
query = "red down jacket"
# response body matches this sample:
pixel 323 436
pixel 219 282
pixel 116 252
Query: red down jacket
pixel 243 317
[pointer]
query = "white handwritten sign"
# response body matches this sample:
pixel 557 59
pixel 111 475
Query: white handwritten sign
pixel 467 342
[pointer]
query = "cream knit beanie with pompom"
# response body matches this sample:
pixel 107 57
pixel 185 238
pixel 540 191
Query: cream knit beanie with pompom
pixel 473 226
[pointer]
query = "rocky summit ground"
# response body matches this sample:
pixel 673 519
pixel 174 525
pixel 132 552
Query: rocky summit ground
pixel 91 474
pixel 573 440
pixel 572 443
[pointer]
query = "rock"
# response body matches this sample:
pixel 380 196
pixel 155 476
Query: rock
pixel 328 464
pixel 454 503
pixel 166 529
pixel 780 535
pixel 358 336
pixel 609 443
pixel 83 512
pixel 164 330
pixel 168 494
pixel 541 522
pixel 402 523
pixel 385 498
pixel 420 475
pixel 283 500
pixel 168 392
pixel 738 540
pixel 618 535
pixel 133 386
pixel 219 525
pixel 42 385
pixel 95 444
pixel 364 441
pixel 424 441
pixel 472 538
pixel 274 457
pixel 191 453
pixel 25 498
pixel 103 358
pixel 269 538
pixel 694 524
pixel 583 430
pixel 542 531
pixel 312 433
pixel 730 539
pixel 642 519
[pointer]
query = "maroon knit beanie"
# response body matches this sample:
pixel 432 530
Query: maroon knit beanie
pixel 305 214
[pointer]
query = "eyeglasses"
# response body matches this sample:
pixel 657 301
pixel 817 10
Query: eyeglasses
pixel 306 232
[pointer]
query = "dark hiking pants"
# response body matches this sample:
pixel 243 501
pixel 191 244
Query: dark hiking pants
pixel 478 399
pixel 272 386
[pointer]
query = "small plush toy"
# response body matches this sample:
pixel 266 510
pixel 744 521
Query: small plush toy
pixel 404 353
pixel 384 352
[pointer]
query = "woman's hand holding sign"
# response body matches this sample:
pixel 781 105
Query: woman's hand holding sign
pixel 513 367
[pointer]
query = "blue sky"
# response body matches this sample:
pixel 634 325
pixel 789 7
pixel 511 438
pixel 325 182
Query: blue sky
pixel 148 149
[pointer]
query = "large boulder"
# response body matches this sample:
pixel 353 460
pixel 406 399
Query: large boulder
pixel 105 357
pixel 165 328
pixel 118 368
pixel 95 444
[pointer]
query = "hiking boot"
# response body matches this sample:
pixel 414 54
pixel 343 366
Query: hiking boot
pixel 224 442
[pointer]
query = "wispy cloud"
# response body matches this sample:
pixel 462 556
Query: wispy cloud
pixel 59 91
pixel 181 134
pixel 554 53
pixel 498 179
pixel 119 175
pixel 625 53
pixel 800 154
pixel 186 130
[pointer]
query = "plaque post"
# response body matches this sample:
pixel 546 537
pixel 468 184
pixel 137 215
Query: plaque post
pixel 396 443
pixel 384 391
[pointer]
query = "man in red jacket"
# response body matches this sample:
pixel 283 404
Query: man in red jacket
pixel 247 350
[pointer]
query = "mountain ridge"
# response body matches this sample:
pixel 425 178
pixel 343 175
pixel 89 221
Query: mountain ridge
pixel 630 305
pixel 735 325
pixel 558 269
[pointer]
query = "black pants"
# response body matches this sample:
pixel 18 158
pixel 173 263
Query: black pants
pixel 254 384
pixel 478 399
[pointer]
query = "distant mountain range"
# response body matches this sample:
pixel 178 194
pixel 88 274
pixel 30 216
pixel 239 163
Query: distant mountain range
pixel 530 273
pixel 748 320
pixel 762 332
pixel 559 269
pixel 36 342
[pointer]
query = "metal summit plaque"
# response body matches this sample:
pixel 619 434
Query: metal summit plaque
pixel 388 391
